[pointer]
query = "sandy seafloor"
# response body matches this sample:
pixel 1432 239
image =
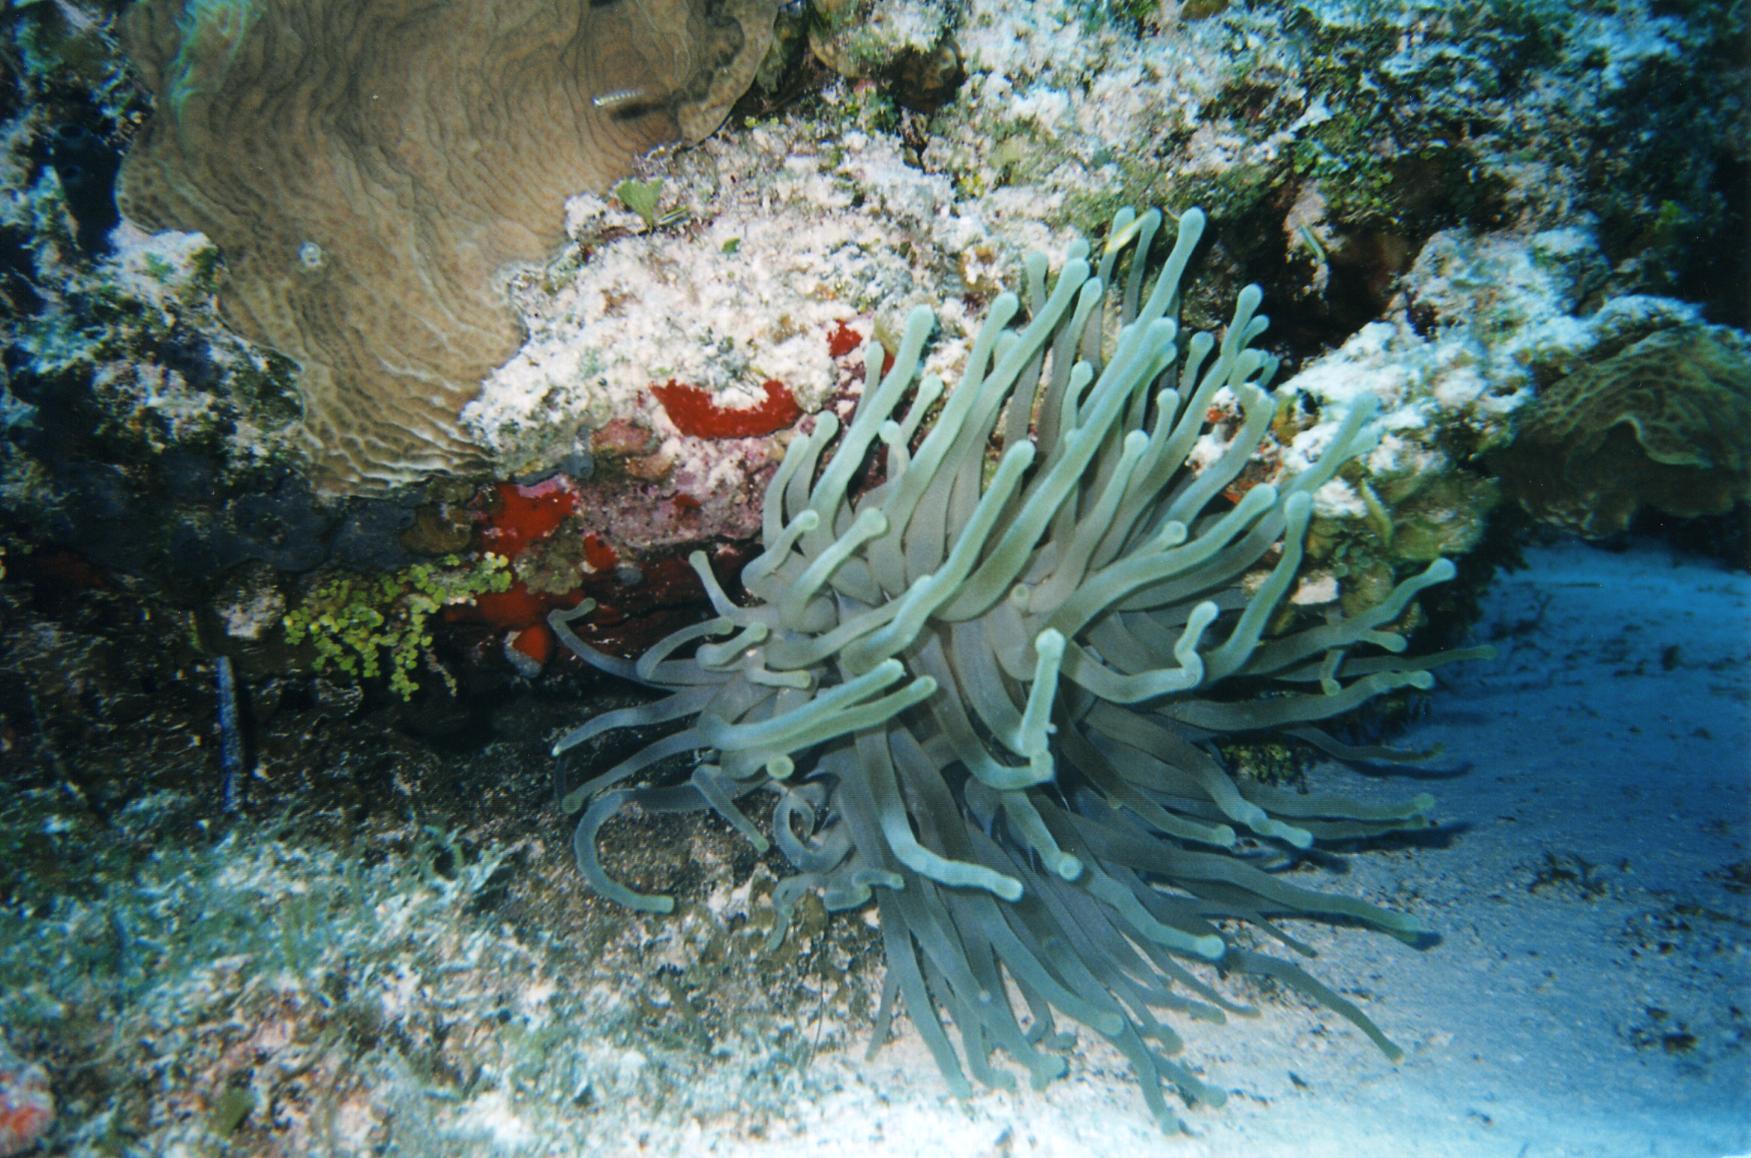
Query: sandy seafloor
pixel 1590 993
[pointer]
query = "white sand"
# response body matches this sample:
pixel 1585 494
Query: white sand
pixel 1597 800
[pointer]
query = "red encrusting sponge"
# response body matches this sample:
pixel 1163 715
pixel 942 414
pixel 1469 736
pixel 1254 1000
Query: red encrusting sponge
pixel 694 413
pixel 526 514
pixel 598 554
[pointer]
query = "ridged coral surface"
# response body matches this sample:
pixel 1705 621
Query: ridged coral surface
pixel 1663 423
pixel 988 646
pixel 368 170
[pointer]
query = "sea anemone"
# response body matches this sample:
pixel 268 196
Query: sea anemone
pixel 986 653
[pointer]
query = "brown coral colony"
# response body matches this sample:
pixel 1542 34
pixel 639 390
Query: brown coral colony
pixel 317 143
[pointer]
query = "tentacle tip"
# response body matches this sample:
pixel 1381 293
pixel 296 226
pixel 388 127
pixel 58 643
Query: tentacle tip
pixel 1408 926
pixel 1048 1072
pixel 560 616
pixel 1296 837
pixel 1210 947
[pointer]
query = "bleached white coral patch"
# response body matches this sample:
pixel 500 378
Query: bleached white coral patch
pixel 1315 588
pixel 493 1118
pixel 1337 499
pixel 1044 106
pixel 788 242
pixel 1459 350
pixel 155 266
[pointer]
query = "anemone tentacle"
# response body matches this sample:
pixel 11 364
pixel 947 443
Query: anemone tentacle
pixel 983 691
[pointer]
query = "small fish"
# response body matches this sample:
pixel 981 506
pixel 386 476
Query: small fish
pixel 629 104
pixel 615 98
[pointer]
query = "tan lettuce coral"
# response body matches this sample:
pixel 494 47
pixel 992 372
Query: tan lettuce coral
pixel 1664 422
pixel 368 171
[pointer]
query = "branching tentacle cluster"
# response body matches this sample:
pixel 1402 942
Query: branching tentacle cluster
pixel 983 690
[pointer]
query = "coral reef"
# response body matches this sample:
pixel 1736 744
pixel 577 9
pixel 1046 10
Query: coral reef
pixel 380 948
pixel 984 693
pixel 1663 423
pixel 368 174
pixel 1513 229
pixel 1355 157
pixel 1503 366
pixel 153 293
pixel 908 45
pixel 1334 141
pixel 139 432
